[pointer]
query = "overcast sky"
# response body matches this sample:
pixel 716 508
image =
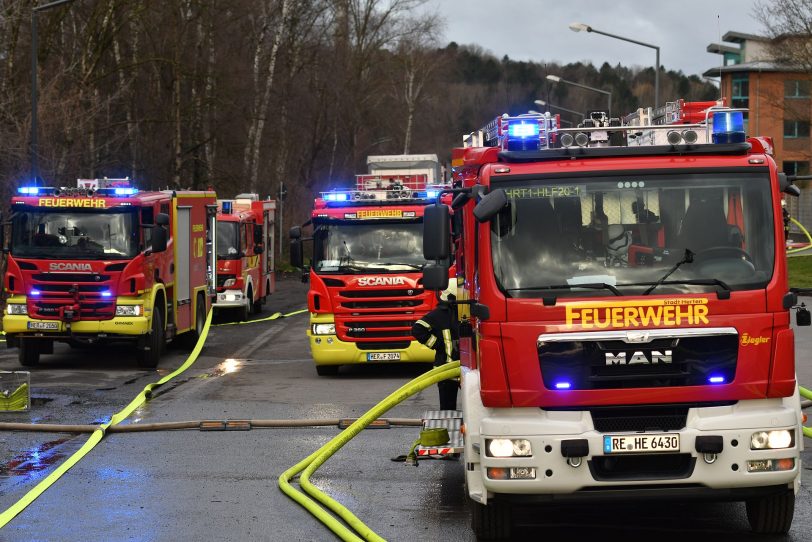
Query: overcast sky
pixel 538 30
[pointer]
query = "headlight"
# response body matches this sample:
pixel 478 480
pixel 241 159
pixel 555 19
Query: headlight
pixel 229 282
pixel 504 447
pixel 324 329
pixel 17 308
pixel 772 440
pixel 128 310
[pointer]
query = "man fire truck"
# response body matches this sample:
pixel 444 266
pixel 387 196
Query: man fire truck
pixel 105 262
pixel 245 257
pixel 365 286
pixel 629 335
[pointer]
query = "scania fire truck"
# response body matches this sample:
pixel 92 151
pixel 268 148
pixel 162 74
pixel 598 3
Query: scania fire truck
pixel 245 253
pixel 104 261
pixel 365 285
pixel 629 314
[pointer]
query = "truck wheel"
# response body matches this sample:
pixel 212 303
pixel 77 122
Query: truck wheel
pixel 189 339
pixel 28 354
pixel 491 521
pixel 258 304
pixel 327 370
pixel 771 514
pixel 149 358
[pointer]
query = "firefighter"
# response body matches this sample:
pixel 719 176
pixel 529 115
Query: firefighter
pixel 439 330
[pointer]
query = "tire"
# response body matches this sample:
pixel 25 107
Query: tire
pixel 149 358
pixel 247 309
pixel 190 338
pixel 327 370
pixel 771 514
pixel 28 354
pixel 492 521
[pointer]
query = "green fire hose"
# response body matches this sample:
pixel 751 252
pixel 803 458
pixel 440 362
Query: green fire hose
pixel 308 466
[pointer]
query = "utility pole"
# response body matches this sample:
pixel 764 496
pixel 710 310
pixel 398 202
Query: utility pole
pixel 282 193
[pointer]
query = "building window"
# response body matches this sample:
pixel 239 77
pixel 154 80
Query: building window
pixel 796 128
pixel 740 94
pixel 796 168
pixel 796 89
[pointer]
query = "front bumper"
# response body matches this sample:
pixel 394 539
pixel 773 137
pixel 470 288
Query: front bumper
pixel 557 480
pixel 230 299
pixel 21 325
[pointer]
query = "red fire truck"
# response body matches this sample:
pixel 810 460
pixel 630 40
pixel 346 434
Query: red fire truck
pixel 629 333
pixel 105 262
pixel 365 286
pixel 245 257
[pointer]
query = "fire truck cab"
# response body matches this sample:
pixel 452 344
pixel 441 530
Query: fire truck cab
pixel 365 286
pixel 104 261
pixel 245 254
pixel 629 330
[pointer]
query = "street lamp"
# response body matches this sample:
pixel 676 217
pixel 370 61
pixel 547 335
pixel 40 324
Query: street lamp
pixel 557 79
pixel 578 27
pixel 34 46
pixel 574 112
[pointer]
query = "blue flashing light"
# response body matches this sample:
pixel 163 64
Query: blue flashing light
pixel 716 379
pixel 35 292
pixel 728 127
pixel 107 293
pixel 563 385
pixel 125 191
pixel 431 194
pixel 28 190
pixel 336 196
pixel 226 207
pixel 523 129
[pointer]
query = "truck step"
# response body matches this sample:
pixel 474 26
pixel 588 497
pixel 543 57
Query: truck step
pixel 450 420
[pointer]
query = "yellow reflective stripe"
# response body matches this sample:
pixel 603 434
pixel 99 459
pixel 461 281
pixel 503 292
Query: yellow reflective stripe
pixel 424 324
pixel 449 346
pixel 431 342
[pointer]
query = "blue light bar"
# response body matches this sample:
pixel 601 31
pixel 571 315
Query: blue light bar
pixel 563 385
pixel 121 191
pixel 728 127
pixel 336 196
pixel 28 190
pixel 716 379
pixel 35 292
pixel 431 194
pixel 107 293
pixel 226 207
pixel 523 129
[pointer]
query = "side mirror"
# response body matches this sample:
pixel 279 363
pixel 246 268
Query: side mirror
pixel 296 259
pixel 480 311
pixel 160 237
pixel 489 206
pixel 460 200
pixel 436 234
pixel 792 190
pixel 162 219
pixel 435 276
pixel 295 232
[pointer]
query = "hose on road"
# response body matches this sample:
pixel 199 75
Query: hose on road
pixel 311 463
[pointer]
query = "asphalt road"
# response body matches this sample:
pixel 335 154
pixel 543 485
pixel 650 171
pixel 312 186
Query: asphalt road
pixel 191 485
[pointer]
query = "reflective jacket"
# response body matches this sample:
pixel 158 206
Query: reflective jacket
pixel 440 331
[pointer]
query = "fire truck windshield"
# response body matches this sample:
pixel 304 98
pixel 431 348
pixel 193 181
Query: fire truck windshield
pixel 81 235
pixel 368 248
pixel 228 240
pixel 619 235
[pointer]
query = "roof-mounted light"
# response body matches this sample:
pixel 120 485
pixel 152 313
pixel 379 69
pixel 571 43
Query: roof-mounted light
pixel 728 127
pixel 226 208
pixel 28 190
pixel 432 194
pixel 125 191
pixel 336 196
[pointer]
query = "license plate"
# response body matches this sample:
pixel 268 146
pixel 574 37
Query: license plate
pixel 624 444
pixel 43 325
pixel 383 356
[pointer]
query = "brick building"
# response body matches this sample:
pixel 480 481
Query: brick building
pixel 778 99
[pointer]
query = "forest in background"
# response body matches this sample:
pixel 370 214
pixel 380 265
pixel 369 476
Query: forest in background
pixel 241 95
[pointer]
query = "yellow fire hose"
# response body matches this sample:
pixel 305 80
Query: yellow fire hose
pixel 312 462
pixel 805 232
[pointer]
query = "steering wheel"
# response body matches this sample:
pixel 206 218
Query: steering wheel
pixel 722 253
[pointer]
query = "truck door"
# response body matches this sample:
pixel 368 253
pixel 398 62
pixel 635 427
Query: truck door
pixel 182 250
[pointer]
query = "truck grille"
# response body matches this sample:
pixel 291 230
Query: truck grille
pixel 382 299
pixel 615 364
pixel 607 468
pixel 378 319
pixel 66 290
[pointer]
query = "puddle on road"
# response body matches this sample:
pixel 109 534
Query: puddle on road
pixel 36 459
pixel 230 365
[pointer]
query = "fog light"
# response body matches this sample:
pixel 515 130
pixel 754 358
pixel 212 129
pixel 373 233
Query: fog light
pixel 758 441
pixel 771 465
pixel 772 440
pixel 17 308
pixel 521 448
pixel 674 137
pixel 498 473
pixel 324 329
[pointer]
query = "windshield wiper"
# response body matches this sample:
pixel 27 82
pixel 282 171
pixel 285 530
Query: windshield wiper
pixel 410 265
pixel 724 294
pixel 550 300
pixel 688 258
